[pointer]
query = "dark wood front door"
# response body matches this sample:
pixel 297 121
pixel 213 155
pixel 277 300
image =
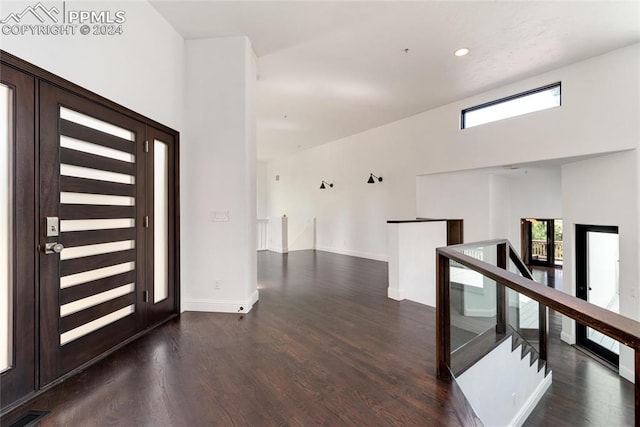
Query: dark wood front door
pixel 88 227
pixel 92 202
pixel 105 184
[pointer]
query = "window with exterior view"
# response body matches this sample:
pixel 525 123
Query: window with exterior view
pixel 523 103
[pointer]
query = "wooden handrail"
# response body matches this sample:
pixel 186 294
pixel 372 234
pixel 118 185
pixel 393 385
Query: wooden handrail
pixel 616 326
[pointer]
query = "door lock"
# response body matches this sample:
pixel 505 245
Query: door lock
pixel 51 226
pixel 53 248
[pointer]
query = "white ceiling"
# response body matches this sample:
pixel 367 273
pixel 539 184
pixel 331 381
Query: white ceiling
pixel 337 68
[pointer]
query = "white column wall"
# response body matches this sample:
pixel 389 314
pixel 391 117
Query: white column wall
pixel 218 177
pixel 262 211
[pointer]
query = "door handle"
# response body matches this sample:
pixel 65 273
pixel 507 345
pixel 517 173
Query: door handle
pixel 53 248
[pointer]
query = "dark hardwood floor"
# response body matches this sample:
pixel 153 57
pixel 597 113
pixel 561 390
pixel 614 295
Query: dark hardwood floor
pixel 584 392
pixel 324 346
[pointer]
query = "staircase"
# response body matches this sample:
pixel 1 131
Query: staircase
pixel 520 377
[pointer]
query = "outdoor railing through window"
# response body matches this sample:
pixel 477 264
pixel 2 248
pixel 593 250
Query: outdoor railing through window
pixel 485 292
pixel 539 250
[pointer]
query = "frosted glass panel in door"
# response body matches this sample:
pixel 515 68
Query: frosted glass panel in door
pixel 603 280
pixel 160 220
pixel 6 226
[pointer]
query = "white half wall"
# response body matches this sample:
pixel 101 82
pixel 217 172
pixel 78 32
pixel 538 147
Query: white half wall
pixel 218 171
pixel 142 69
pixel 412 260
pixel 604 191
pixel 278 234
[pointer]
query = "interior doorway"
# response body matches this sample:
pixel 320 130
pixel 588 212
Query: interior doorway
pixel 597 281
pixel 542 241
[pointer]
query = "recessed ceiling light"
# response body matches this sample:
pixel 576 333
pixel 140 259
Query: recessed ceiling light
pixel 461 52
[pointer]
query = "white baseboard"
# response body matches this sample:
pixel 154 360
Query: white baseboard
pixel 255 296
pixel 221 306
pixel 532 402
pixel 568 337
pixel 395 294
pixel 480 312
pixel 359 254
pixel 280 250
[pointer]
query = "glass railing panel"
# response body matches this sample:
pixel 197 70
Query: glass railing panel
pixel 524 317
pixel 487 253
pixel 513 268
pixel 473 308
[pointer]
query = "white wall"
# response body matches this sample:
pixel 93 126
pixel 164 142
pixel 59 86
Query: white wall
pixel 521 386
pixel 142 69
pixel 499 205
pixel 459 195
pixel 351 217
pixel 490 202
pixel 219 176
pixel 604 191
pixel 262 210
pixel 536 194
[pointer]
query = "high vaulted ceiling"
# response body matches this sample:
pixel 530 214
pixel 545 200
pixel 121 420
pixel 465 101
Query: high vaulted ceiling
pixel 327 69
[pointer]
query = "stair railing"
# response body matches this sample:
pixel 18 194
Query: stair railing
pixel 616 326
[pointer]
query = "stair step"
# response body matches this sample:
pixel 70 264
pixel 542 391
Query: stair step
pixel 516 342
pixel 526 349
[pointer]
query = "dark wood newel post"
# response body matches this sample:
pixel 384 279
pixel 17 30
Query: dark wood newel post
pixel 443 317
pixel 542 323
pixel 501 291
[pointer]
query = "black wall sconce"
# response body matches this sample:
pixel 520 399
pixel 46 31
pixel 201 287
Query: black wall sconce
pixel 372 181
pixel 322 186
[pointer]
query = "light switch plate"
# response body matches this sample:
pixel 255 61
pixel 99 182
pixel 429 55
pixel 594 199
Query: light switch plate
pixel 219 216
